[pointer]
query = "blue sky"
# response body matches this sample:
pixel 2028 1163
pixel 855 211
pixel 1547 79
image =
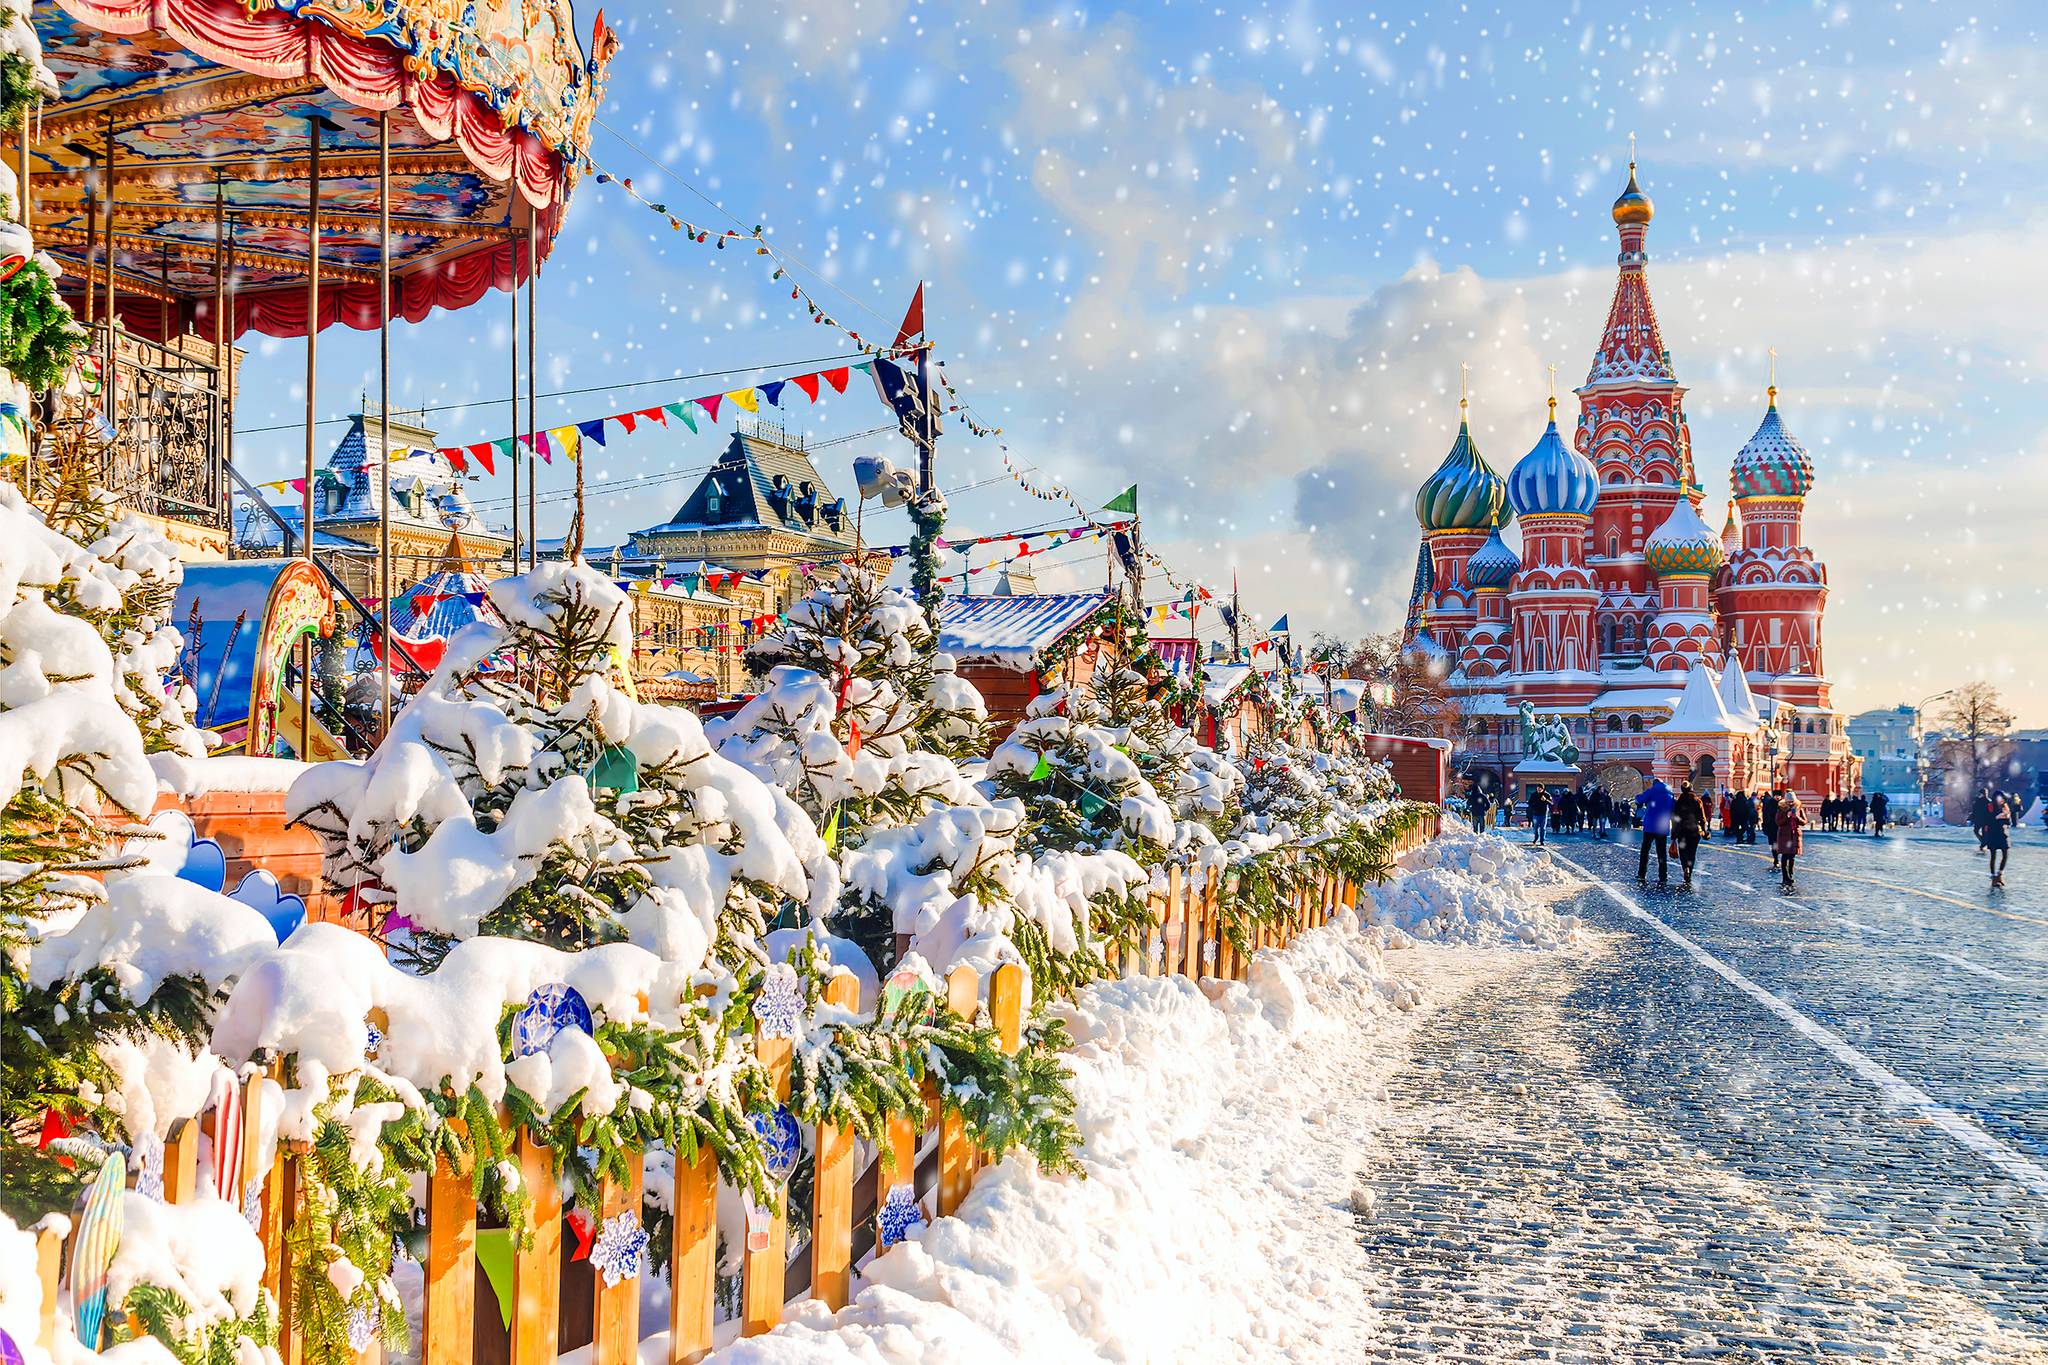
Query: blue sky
pixel 1237 254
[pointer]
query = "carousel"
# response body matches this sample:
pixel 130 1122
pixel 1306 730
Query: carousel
pixel 216 167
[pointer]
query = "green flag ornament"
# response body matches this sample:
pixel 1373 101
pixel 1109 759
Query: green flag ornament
pixel 615 770
pixel 1042 770
pixel 1126 501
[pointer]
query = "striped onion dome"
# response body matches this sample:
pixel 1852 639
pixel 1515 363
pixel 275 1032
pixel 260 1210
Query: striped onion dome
pixel 1553 478
pixel 1684 545
pixel 1492 564
pixel 1464 494
pixel 439 605
pixel 1773 464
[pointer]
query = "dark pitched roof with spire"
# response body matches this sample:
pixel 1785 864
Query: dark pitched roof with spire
pixel 761 483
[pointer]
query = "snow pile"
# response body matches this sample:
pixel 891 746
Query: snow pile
pixel 1478 889
pixel 1188 1105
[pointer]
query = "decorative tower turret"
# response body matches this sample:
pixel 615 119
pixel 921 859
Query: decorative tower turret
pixel 1685 556
pixel 1550 608
pixel 1487 647
pixel 1775 590
pixel 1458 506
pixel 1632 427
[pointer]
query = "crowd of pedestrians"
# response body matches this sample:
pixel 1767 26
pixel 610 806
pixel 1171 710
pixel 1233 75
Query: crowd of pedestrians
pixel 1680 821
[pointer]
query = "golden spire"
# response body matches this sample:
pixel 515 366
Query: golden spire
pixel 1553 393
pixel 1464 375
pixel 1772 391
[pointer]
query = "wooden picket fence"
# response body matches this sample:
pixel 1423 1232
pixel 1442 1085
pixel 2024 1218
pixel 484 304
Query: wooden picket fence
pixel 559 1305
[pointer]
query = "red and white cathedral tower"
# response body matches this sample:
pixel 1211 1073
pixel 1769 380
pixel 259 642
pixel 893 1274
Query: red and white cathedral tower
pixel 1771 598
pixel 1632 427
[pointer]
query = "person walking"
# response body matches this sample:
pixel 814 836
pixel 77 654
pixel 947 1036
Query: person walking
pixel 1654 807
pixel 2001 815
pixel 1728 816
pixel 1770 824
pixel 1790 844
pixel 1688 823
pixel 1539 811
pixel 1980 817
pixel 1880 811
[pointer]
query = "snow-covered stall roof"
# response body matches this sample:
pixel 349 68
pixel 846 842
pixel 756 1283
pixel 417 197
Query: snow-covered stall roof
pixel 1700 711
pixel 1221 681
pixel 1635 698
pixel 1014 632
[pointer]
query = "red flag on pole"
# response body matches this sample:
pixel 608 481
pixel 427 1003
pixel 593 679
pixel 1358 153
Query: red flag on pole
pixel 913 318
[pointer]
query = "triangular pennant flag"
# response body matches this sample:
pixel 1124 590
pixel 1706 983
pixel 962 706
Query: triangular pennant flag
pixel 682 410
pixel 808 383
pixel 772 392
pixel 710 405
pixel 1042 769
pixel 481 452
pixel 913 318
pixel 853 740
pixel 566 439
pixel 655 415
pixel 494 1254
pixel 508 446
pixel 745 398
pixel 626 421
pixel 592 431
pixel 831 830
pixel 454 458
pixel 298 485
pixel 866 367
pixel 837 378
pixel 1126 501
pixel 547 451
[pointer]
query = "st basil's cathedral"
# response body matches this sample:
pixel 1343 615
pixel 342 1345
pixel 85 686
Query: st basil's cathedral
pixel 1626 639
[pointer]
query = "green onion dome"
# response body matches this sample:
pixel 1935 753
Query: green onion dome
pixel 1464 494
pixel 1684 545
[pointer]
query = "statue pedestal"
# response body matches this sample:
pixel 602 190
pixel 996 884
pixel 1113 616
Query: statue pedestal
pixel 1545 772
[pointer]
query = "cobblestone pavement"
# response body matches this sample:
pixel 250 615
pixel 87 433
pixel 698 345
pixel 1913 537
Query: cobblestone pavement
pixel 1625 1157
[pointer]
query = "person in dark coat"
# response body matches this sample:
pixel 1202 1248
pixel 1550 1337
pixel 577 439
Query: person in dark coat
pixel 2002 814
pixel 1769 818
pixel 1653 804
pixel 1880 811
pixel 1790 844
pixel 1539 811
pixel 1980 817
pixel 1688 823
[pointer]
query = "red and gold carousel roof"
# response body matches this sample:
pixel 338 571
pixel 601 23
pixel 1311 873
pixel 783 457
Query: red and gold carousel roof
pixel 211 102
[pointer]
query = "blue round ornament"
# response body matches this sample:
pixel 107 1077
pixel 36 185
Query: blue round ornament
pixel 549 1010
pixel 780 1139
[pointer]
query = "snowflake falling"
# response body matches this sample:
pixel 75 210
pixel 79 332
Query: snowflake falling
pixel 780 1005
pixel 362 1329
pixel 621 1249
pixel 149 1166
pixel 900 1215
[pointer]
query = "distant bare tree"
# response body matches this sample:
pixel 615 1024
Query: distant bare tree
pixel 1978 724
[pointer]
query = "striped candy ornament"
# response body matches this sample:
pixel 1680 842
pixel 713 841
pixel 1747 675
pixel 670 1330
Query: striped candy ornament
pixel 227 1136
pixel 93 1247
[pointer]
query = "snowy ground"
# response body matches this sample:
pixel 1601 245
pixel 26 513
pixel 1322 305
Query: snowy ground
pixel 1226 1137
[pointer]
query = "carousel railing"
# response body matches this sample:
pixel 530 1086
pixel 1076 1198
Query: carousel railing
pixel 158 423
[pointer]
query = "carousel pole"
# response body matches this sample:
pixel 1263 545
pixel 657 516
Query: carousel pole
pixel 514 293
pixel 227 363
pixel 220 369
pixel 532 388
pixel 107 374
pixel 312 356
pixel 384 407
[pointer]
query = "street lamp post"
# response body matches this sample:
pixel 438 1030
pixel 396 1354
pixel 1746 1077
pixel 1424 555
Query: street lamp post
pixel 1920 743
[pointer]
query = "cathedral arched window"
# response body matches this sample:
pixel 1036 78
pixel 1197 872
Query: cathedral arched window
pixel 1614 725
pixel 1614 545
pixel 1538 653
pixel 1635 725
pixel 1607 637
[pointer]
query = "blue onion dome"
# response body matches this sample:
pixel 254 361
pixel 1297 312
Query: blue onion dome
pixel 1553 477
pixel 1425 647
pixel 1464 494
pixel 1683 544
pixel 1492 564
pixel 1773 464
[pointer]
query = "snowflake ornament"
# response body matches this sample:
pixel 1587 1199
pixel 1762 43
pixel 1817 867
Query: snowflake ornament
pixel 780 1006
pixel 149 1166
pixel 621 1249
pixel 373 1042
pixel 362 1329
pixel 900 1215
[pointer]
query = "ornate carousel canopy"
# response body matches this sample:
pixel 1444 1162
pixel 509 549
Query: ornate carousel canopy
pixel 207 110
